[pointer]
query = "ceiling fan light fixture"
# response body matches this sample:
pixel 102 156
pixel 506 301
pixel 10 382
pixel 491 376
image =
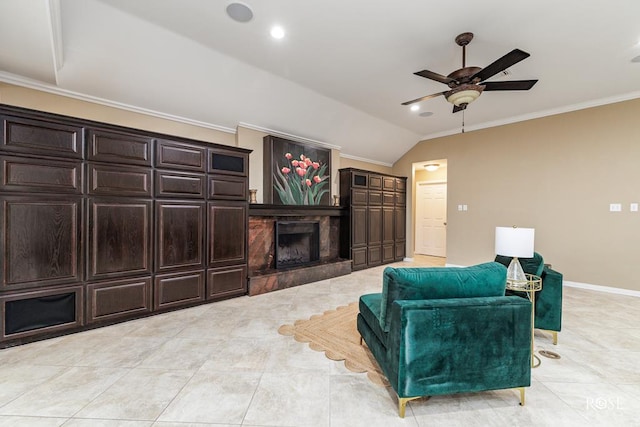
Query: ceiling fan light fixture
pixel 464 94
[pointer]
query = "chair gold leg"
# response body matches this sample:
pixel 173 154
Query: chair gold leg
pixel 521 396
pixel 555 337
pixel 402 404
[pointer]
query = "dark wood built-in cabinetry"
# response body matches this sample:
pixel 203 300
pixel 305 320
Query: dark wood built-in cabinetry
pixel 373 232
pixel 102 223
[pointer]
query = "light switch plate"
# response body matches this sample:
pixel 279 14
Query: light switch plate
pixel 633 207
pixel 615 207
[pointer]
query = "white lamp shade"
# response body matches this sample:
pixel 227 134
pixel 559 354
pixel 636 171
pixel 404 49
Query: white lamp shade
pixel 515 242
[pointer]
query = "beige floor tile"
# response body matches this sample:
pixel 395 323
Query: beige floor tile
pixel 141 394
pixel 213 397
pixel 15 421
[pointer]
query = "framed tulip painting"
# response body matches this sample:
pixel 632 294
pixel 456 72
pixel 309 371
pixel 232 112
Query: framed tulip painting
pixel 296 173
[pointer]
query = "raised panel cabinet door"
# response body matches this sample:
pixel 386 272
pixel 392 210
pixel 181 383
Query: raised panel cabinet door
pixel 21 174
pixel 228 224
pixel 400 228
pixel 116 147
pixel 400 250
pixel 388 253
pixel 358 226
pixel 359 258
pixel 374 255
pixel 359 197
pixel 226 282
pixel 401 184
pixel 175 155
pixel 41 241
pixel 119 237
pixel 388 225
pixel 375 198
pixel 375 225
pixel 32 136
pixel 117 299
pixel 180 235
pixel 110 180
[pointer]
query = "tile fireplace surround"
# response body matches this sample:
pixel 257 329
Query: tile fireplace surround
pixel 263 276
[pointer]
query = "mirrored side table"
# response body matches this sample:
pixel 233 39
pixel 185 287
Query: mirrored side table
pixel 530 286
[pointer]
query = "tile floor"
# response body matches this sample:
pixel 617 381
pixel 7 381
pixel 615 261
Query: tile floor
pixel 224 364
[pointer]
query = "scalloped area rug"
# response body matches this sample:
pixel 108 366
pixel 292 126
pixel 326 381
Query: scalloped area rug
pixel 335 333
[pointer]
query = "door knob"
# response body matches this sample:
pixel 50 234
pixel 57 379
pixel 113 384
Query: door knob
pixel 444 223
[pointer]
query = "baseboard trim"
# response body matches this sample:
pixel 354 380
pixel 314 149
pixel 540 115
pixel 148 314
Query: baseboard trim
pixel 408 259
pixel 600 288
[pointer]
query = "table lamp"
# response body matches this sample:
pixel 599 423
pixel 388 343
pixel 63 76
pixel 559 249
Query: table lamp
pixel 515 242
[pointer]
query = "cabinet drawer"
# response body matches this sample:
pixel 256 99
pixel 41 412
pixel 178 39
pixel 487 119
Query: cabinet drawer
pixel 401 199
pixel 401 184
pixel 116 299
pixel 40 176
pixel 119 181
pixel 180 184
pixel 375 198
pixel 21 135
pixel 388 183
pixel 388 198
pixel 228 162
pixel 43 311
pixel 226 282
pixel 228 188
pixel 172 290
pixel 375 182
pixel 359 258
pixel 359 197
pixel 114 147
pixel 175 155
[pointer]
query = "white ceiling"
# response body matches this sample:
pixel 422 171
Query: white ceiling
pixel 340 74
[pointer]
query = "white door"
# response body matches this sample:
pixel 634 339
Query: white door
pixel 431 219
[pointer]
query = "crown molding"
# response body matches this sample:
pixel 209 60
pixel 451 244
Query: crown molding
pixel 362 159
pixel 43 87
pixel 539 114
pixel 289 136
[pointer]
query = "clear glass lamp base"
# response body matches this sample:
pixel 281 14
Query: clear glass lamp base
pixel 515 274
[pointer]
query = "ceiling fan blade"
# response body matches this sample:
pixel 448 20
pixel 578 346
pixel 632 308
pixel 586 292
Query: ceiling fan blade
pixel 511 58
pixel 460 108
pixel 434 76
pixel 423 98
pixel 510 85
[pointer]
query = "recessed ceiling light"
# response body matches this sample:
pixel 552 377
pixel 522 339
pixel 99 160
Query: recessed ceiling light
pixel 415 107
pixel 426 114
pixel 239 12
pixel 277 32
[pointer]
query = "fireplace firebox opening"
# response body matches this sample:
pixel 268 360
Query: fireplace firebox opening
pixel 297 243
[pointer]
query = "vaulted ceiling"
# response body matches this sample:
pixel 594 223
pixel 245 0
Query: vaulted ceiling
pixel 340 74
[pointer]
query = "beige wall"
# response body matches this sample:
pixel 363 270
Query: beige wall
pixel 243 137
pixel 359 164
pixel 557 174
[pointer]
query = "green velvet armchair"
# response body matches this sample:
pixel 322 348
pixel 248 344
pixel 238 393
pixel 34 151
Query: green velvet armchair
pixel 548 316
pixel 446 330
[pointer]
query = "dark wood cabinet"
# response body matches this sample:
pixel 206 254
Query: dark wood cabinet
pixel 375 224
pixel 102 223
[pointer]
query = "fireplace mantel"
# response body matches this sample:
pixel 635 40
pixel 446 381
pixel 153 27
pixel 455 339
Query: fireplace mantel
pixel 295 210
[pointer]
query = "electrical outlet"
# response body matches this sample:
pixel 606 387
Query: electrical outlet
pixel 464 207
pixel 633 207
pixel 615 207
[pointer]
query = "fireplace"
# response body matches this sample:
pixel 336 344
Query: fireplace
pixel 297 243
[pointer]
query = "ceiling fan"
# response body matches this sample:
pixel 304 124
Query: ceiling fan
pixel 467 83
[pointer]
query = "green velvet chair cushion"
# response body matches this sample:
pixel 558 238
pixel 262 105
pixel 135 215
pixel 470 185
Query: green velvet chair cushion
pixel 483 280
pixel 370 307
